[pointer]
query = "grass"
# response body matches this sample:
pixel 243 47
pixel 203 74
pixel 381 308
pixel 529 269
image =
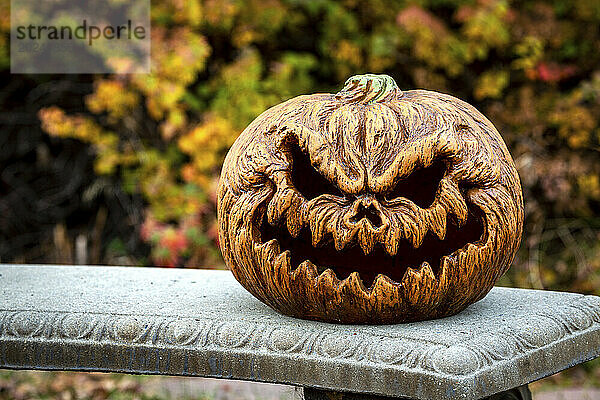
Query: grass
pixel 25 385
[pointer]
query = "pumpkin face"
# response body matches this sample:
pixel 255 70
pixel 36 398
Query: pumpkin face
pixel 371 205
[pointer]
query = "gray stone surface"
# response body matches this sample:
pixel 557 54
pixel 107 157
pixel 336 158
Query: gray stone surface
pixel 203 323
pixel 216 389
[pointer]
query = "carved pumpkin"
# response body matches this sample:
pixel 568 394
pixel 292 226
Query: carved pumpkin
pixel 371 205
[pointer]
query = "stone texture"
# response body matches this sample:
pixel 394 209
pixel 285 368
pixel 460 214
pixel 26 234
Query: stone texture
pixel 203 323
pixel 164 387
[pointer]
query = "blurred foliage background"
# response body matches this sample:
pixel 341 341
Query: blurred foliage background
pixel 122 169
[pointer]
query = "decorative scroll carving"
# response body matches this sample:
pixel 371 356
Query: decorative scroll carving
pixel 318 342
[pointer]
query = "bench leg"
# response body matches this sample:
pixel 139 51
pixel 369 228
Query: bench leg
pixel 519 393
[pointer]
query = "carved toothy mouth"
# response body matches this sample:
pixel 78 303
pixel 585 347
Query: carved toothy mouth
pixel 352 258
pixel 364 238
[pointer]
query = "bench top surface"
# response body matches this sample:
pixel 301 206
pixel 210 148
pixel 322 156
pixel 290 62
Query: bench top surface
pixel 203 323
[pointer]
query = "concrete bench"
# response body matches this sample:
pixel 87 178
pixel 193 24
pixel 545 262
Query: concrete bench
pixel 203 323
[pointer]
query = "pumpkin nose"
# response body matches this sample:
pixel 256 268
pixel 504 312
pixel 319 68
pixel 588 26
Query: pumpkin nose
pixel 366 207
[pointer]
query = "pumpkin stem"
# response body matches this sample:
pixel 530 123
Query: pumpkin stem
pixel 369 88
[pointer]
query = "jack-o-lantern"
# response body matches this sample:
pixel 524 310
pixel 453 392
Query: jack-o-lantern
pixel 372 205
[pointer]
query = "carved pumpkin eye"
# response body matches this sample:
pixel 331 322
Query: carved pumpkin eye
pixel 421 185
pixel 307 180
